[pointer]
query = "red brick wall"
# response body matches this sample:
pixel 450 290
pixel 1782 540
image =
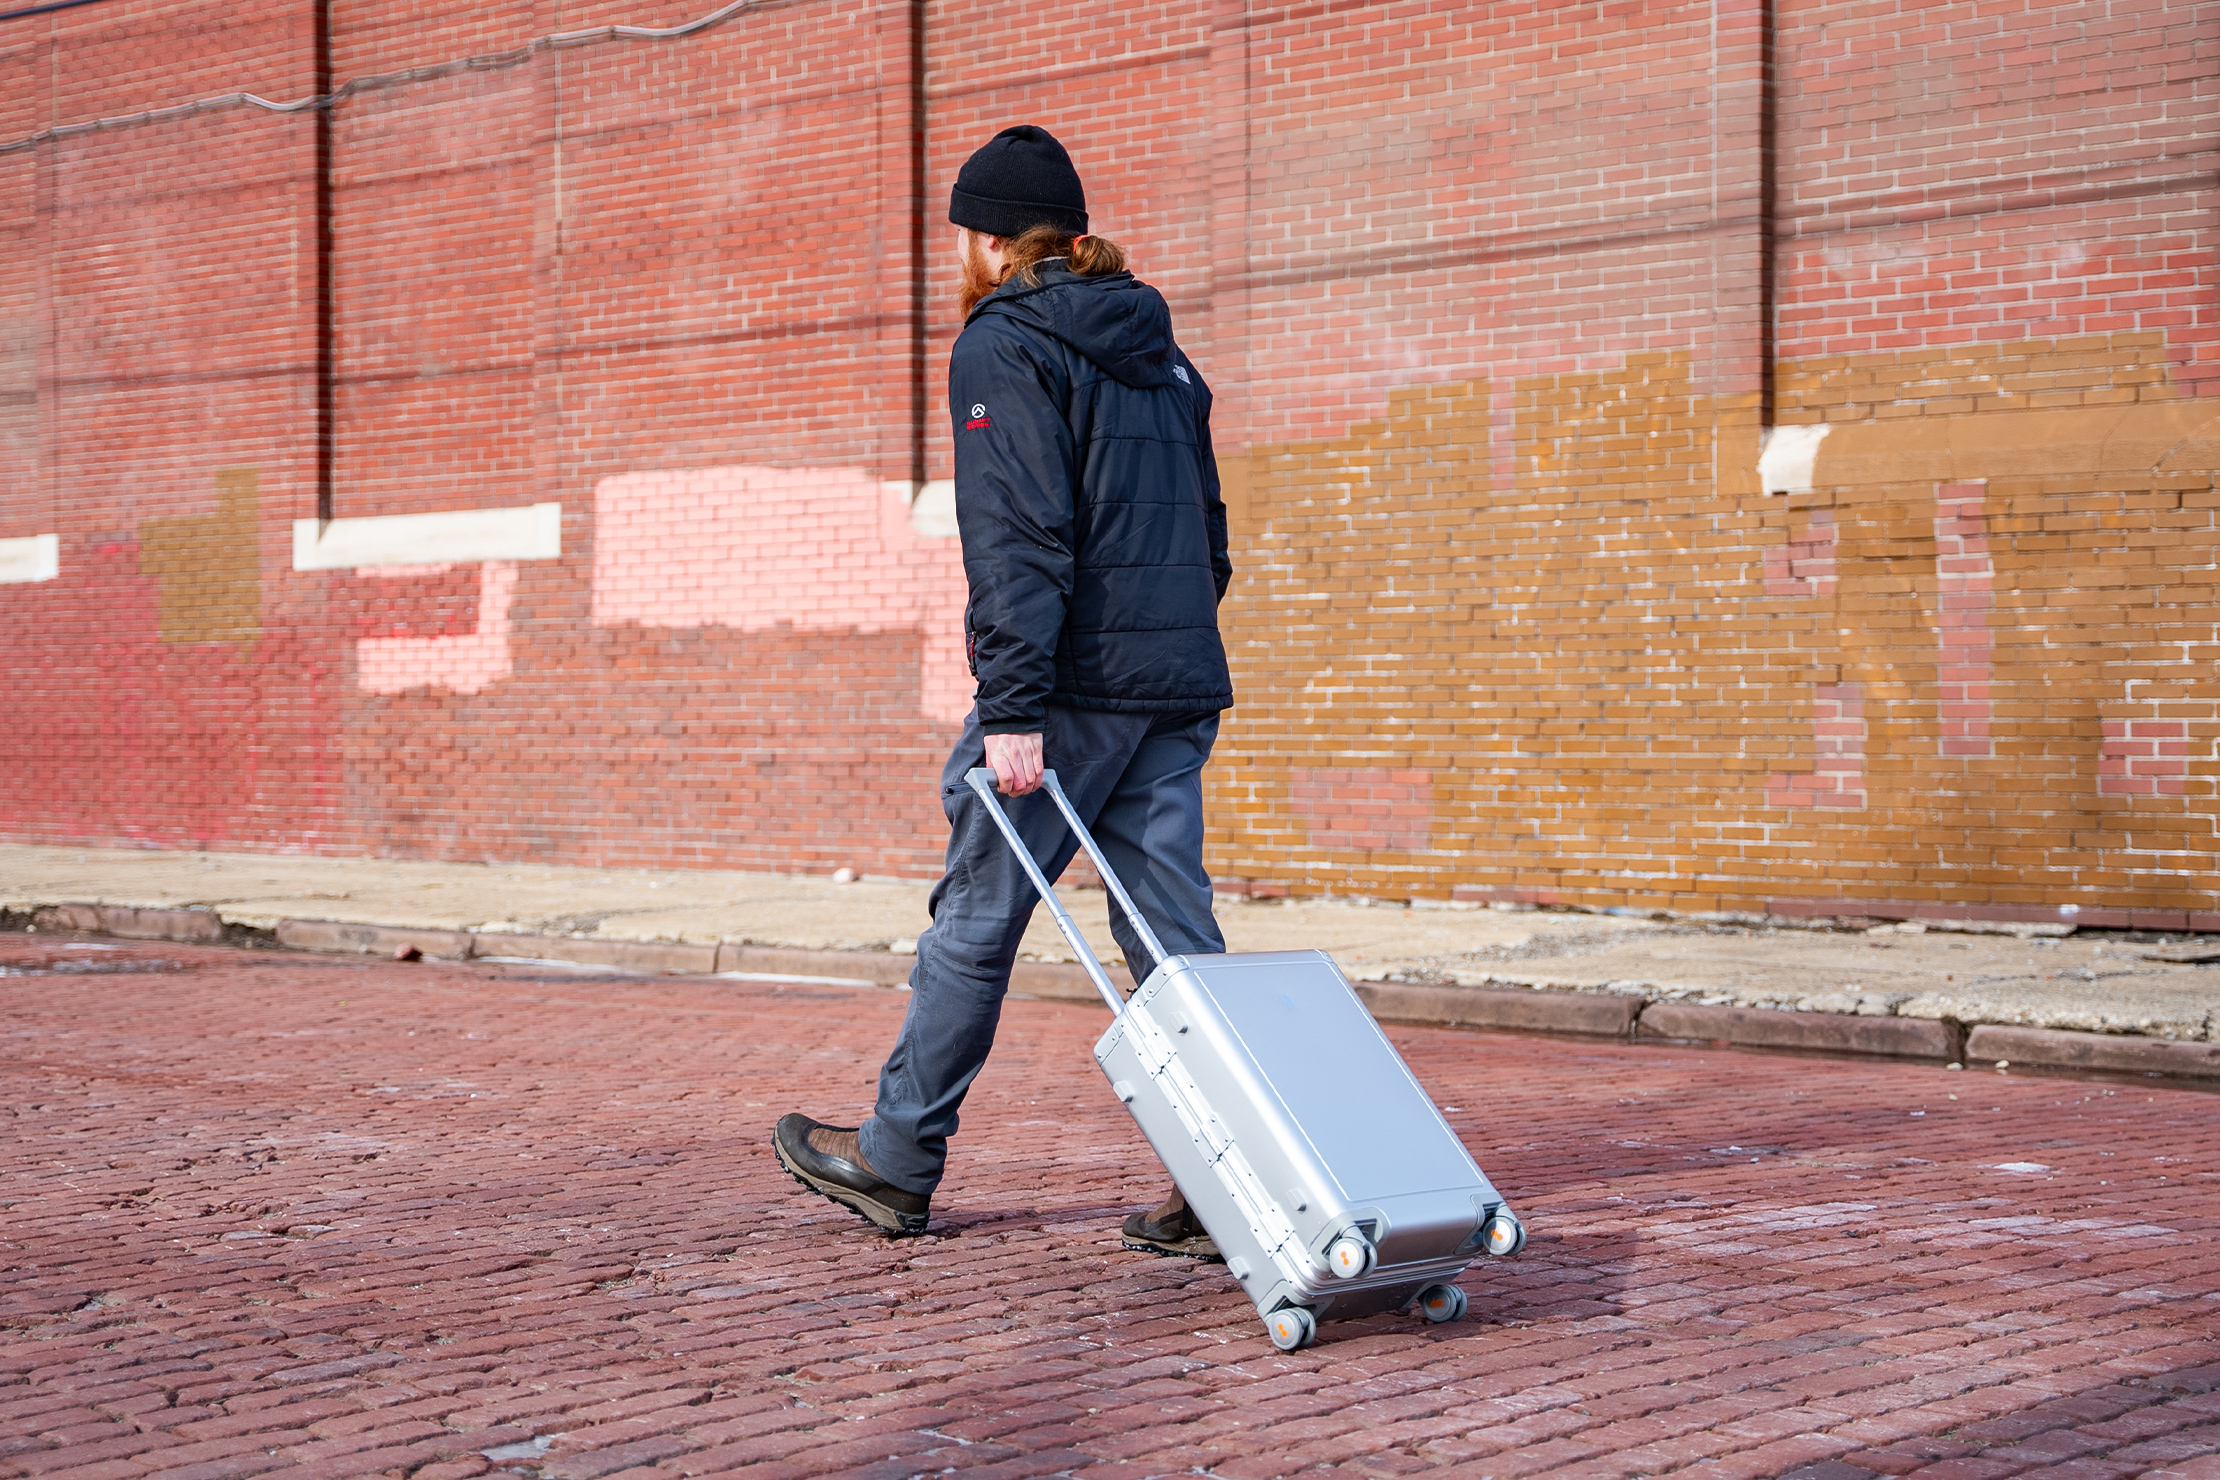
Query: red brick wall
pixel 1483 291
pixel 1982 174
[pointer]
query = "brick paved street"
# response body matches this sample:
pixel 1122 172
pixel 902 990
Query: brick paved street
pixel 267 1213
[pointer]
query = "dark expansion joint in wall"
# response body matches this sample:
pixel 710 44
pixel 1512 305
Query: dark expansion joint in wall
pixel 1768 204
pixel 326 349
pixel 919 278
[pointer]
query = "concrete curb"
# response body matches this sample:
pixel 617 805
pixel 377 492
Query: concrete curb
pixel 370 940
pixel 191 927
pixel 1593 1014
pixel 651 957
pixel 1586 1014
pixel 1052 981
pixel 874 968
pixel 2058 1048
pixel 1829 1032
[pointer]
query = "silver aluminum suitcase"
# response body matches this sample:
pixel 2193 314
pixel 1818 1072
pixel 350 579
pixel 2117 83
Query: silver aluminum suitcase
pixel 1322 1171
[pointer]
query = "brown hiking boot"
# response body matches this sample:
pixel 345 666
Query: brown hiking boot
pixel 1172 1228
pixel 828 1160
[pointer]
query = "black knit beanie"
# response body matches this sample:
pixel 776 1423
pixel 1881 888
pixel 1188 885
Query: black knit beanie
pixel 1021 178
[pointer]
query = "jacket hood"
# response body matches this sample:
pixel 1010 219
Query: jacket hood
pixel 1117 321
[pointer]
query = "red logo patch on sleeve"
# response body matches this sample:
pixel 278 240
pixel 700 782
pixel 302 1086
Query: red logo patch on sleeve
pixel 978 419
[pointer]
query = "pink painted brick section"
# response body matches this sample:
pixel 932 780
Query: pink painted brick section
pixel 1836 780
pixel 808 549
pixel 1804 567
pixel 2151 757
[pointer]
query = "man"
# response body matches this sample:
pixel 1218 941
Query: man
pixel 1095 544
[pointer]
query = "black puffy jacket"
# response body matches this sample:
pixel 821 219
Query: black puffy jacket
pixel 1094 537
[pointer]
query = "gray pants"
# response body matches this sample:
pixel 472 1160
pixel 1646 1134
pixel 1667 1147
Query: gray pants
pixel 1136 780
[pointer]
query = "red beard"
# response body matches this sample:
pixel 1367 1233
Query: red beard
pixel 978 281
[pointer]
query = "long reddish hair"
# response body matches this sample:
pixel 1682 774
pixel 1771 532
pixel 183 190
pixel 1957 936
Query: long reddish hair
pixel 1022 255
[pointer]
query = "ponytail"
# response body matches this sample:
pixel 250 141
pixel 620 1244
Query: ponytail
pixel 1090 256
pixel 1094 256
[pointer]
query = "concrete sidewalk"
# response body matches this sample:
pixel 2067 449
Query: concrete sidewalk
pixel 1890 988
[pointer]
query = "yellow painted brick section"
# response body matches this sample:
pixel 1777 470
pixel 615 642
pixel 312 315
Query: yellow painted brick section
pixel 1576 642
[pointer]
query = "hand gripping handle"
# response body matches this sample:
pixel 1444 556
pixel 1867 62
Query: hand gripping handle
pixel 982 781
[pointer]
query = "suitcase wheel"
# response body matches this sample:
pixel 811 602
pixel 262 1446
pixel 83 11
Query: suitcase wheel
pixel 1503 1234
pixel 1350 1257
pixel 1292 1328
pixel 1440 1303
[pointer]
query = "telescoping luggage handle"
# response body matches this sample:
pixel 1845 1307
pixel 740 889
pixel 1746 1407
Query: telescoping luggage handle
pixel 982 781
